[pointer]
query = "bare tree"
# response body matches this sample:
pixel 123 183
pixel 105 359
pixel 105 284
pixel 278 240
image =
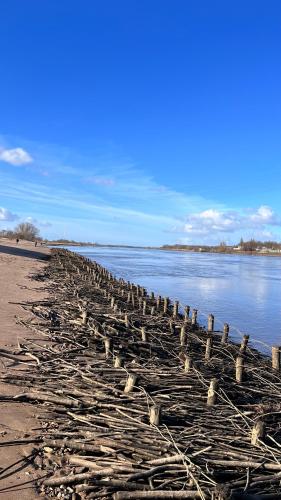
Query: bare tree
pixel 27 231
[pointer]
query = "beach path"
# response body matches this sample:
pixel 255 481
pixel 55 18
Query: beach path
pixel 17 420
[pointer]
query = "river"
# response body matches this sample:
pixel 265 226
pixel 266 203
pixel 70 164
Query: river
pixel 244 291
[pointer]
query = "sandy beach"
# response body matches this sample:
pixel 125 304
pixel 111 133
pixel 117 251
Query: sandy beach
pixel 18 421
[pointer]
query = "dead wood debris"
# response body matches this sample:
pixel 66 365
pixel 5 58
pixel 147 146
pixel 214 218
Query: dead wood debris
pixel 158 438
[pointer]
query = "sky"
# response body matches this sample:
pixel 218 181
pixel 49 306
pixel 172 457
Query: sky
pixel 142 122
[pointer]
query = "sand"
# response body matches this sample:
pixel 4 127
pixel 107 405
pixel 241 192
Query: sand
pixel 17 420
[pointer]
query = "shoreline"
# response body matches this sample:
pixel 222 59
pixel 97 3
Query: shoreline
pixel 181 250
pixel 131 366
pixel 17 420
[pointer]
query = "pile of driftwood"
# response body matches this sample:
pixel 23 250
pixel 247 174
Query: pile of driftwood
pixel 138 401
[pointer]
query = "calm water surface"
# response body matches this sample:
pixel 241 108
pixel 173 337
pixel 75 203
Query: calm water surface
pixel 244 291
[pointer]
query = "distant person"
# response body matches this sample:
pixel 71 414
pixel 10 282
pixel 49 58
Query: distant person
pixel 17 240
pixel 35 244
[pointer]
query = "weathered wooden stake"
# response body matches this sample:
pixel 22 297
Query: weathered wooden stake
pixel 176 309
pixel 166 304
pixel 127 324
pixel 144 334
pixel 152 312
pixel 186 313
pixel 194 317
pixel 188 364
pixel 84 317
pixel 211 321
pixel 118 361
pixel 108 346
pixel 183 336
pixel 130 383
pixel 212 394
pixel 155 415
pixel 258 432
pixel 244 343
pixel 276 350
pixel 239 373
pixel 158 302
pixel 224 338
pixel 209 345
pixel 144 307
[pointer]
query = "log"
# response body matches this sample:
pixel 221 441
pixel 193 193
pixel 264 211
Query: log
pixel 155 495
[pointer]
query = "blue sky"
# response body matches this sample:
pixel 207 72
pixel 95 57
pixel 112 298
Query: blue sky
pixel 141 122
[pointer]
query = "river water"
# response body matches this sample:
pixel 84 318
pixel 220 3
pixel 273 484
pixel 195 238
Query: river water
pixel 244 291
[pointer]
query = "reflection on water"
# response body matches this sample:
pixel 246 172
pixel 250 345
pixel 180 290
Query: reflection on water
pixel 244 291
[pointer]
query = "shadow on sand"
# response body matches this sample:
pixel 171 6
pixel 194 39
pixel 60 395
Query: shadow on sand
pixel 23 252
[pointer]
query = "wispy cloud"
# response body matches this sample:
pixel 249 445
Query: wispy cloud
pixel 100 181
pixel 37 222
pixel 6 215
pixel 15 156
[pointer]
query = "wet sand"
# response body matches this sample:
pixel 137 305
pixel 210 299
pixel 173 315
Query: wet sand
pixel 17 421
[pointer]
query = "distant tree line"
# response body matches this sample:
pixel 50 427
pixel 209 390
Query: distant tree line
pixel 251 245
pixel 23 231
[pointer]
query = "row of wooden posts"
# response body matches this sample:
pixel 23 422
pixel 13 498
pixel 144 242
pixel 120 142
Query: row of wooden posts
pixel 140 293
pixel 137 293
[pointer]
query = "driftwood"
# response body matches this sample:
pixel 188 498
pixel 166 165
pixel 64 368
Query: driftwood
pixel 139 400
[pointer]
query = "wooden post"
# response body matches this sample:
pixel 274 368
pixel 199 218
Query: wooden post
pixel 144 307
pixel 176 309
pixel 172 327
pixel 188 364
pixel 258 432
pixel 239 373
pixel 224 338
pixel 129 298
pixel 158 302
pixel 127 324
pixel 144 334
pixel 84 317
pixel 209 345
pixel 166 304
pixel 108 346
pixel 130 383
pixel 276 357
pixel 212 392
pixel 183 336
pixel 244 343
pixel 119 361
pixel 152 312
pixel 186 313
pixel 211 321
pixel 194 317
pixel 155 415
pixel 112 302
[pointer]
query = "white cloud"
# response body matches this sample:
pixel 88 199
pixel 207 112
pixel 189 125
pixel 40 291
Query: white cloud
pixel 16 156
pixel 217 221
pixel 6 215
